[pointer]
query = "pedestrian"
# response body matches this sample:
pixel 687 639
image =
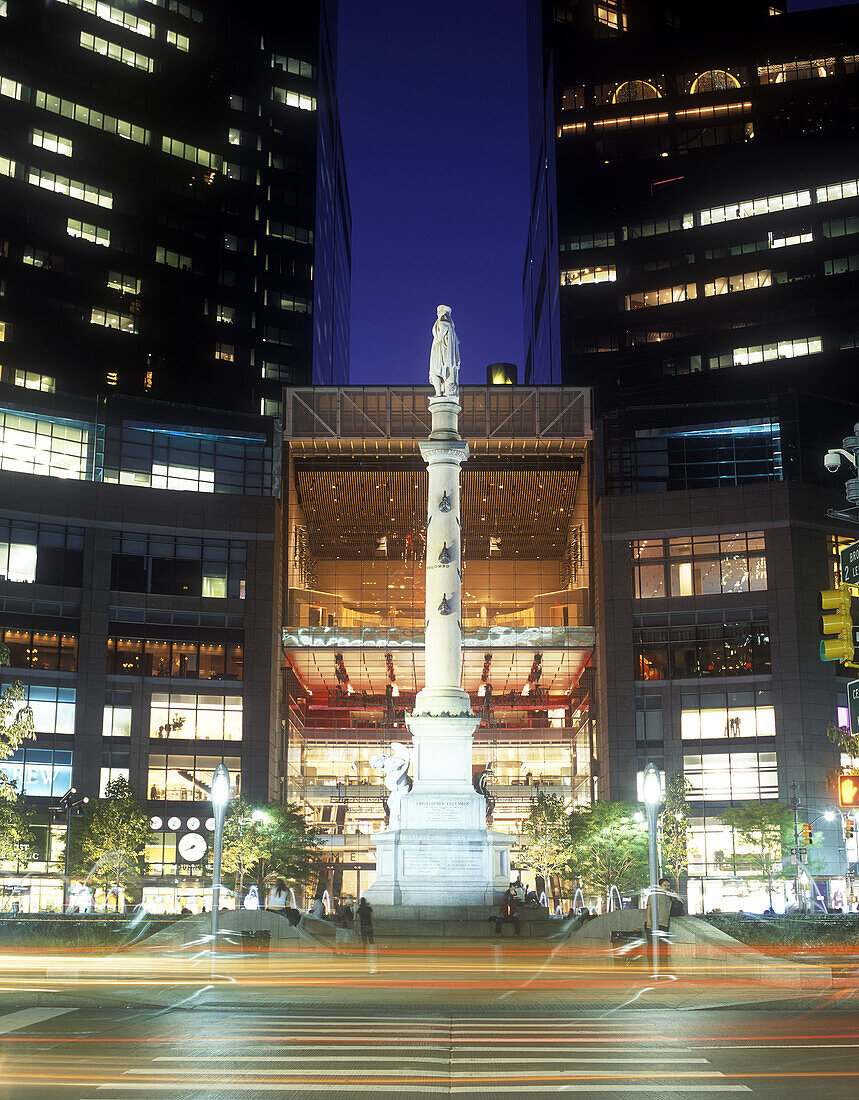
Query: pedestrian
pixel 365 926
pixel 664 901
pixel 343 919
pixel 508 912
pixel 317 909
pixel 277 896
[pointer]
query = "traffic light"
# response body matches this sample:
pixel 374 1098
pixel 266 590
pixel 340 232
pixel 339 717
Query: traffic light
pixel 807 837
pixel 839 624
pixel 849 829
pixel 848 792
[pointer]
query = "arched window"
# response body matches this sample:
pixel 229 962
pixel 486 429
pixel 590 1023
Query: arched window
pixel 634 90
pixel 714 80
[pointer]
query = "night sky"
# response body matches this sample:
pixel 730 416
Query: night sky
pixel 435 128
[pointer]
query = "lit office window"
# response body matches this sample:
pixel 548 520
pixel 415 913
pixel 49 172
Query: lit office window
pixel 18 562
pixel 116 52
pixel 294 99
pixel 33 446
pixel 818 68
pixel 788 237
pixel 226 352
pixel 180 778
pixel 583 241
pixel 113 15
pixel 54 143
pixel 611 14
pixel 41 649
pixel 748 280
pixel 583 275
pixel 127 284
pixel 62 185
pixel 173 259
pixel 784 349
pixel 90 117
pixel 662 296
pixel 234 136
pixel 270 406
pixel 10 88
pixel 628 122
pixel 123 322
pixel 700 565
pixel 632 91
pixel 749 208
pixel 2 331
pixel 174 659
pixel 86 232
pixel 203 717
pixel 32 380
pixel 180 41
pixel 658 226
pixel 7 167
pixel 193 153
pixel 293 65
pixel 226 314
pixel 723 722
pixel 702 650
pixel 39 772
pixel 730 776
pixel 117 720
pixel 846 189
pixel 295 304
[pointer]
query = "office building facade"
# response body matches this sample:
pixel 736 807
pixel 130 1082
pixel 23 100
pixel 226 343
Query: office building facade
pixel 140 566
pixel 705 194
pixel 174 216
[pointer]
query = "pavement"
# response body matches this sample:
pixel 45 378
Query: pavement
pixel 494 1052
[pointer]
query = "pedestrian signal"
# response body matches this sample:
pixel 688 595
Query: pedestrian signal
pixel 849 829
pixel 839 647
pixel 848 792
pixel 807 836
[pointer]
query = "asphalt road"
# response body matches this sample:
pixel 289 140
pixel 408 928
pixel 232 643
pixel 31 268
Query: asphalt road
pixel 191 1054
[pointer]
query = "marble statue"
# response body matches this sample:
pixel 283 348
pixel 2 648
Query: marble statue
pixel 395 767
pixel 444 355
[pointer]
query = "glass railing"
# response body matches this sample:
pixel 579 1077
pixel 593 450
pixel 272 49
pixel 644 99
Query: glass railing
pixel 501 637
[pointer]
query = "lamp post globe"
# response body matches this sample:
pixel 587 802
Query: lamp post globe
pixel 220 797
pixel 652 791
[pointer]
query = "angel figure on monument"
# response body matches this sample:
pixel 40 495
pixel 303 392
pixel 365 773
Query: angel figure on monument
pixel 444 355
pixel 397 780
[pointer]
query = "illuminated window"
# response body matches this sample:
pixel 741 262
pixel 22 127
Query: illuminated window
pixel 701 650
pixel 32 380
pixel 226 314
pixel 10 88
pixel 182 149
pixel 117 721
pixel 714 80
pixel 180 41
pixel 723 110
pixel 112 378
pixel 41 649
pixel 227 352
pixel 117 53
pixel 128 284
pixel 796 70
pixel 173 259
pixel 18 562
pixel 748 208
pixel 703 565
pixel 635 90
pixel 42 139
pixel 4 11
pixel 86 232
pixel 270 406
pixel 235 136
pixel 205 717
pixel 124 322
pixel 628 121
pixel 584 241
pixel 582 275
pixel 789 237
pixel 294 99
pixel 38 446
pixel 62 185
pixel 7 167
pixel 749 280
pixel 113 15
pixel 179 778
pixel 662 296
pixel 90 117
pixel 847 189
pixel 295 304
pixel 292 65
pixel 730 776
pixel 2 331
pixel 721 722
pixel 783 349
pixel 611 14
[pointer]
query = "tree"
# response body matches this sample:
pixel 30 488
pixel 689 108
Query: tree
pixel 545 837
pixel 846 741
pixel 674 826
pixel 609 848
pixel 113 833
pixel 17 841
pixel 16 723
pixel 264 841
pixel 764 827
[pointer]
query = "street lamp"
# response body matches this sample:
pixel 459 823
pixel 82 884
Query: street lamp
pixel 220 798
pixel 652 787
pixel 71 808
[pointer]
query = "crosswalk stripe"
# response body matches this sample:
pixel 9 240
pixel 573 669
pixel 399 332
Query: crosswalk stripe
pixel 713 1090
pixel 27 1017
pixel 459 1075
pixel 375 1058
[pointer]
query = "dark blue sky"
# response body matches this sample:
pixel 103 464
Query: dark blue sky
pixel 434 116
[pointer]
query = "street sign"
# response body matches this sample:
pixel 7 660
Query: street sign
pixel 850 564
pixel 853 705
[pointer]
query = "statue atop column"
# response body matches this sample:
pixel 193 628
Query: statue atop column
pixel 444 355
